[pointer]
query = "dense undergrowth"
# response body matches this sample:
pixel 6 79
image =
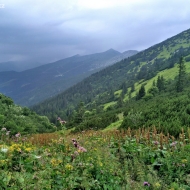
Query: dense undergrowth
pixel 21 119
pixel 112 160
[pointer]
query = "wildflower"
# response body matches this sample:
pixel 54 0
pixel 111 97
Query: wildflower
pixel 156 142
pixel 173 144
pixel 184 161
pixel 61 121
pixel 69 167
pixel 4 150
pixel 3 162
pixel 7 133
pixel 28 149
pixel 15 147
pixel 17 135
pixel 146 183
pixel 3 129
pixel 157 185
pixel 37 157
pixel 55 162
pixel 75 144
pixel 81 149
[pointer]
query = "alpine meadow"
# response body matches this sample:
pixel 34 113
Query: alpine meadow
pixel 123 125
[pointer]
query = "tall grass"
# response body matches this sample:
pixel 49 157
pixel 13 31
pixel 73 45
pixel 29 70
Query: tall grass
pixel 110 160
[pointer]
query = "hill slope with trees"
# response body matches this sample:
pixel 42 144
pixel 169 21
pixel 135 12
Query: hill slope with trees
pixel 120 83
pixel 21 120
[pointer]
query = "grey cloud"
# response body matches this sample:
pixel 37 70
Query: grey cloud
pixel 50 31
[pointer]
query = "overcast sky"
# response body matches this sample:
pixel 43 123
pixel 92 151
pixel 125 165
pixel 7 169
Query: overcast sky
pixel 49 30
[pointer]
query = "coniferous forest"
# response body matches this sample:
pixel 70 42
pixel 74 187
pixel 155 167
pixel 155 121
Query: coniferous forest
pixel 151 88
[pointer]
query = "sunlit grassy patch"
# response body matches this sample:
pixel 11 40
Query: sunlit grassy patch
pixel 109 104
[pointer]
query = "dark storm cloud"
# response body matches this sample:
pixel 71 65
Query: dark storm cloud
pixel 48 31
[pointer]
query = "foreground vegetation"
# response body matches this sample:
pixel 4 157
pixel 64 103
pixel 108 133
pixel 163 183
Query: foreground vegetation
pixel 112 160
pixel 21 119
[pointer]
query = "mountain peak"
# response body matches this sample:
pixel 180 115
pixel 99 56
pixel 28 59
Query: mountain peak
pixel 111 50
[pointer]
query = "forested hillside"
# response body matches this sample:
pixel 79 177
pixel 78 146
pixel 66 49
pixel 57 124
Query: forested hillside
pixel 21 120
pixel 133 82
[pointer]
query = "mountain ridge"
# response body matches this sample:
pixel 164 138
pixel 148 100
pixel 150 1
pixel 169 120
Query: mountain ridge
pixel 28 87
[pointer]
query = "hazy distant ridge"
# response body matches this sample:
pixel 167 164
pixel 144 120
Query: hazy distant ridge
pixel 34 85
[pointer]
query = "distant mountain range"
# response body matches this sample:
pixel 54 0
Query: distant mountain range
pixel 18 65
pixel 34 85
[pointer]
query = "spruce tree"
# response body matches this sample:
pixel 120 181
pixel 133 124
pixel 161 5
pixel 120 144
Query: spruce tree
pixel 160 83
pixel 124 88
pixel 181 75
pixel 141 93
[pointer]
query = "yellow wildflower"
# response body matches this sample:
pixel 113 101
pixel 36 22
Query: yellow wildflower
pixel 184 161
pixel 54 141
pixel 55 162
pixel 69 167
pixel 79 151
pixel 15 147
pixel 3 162
pixel 157 185
pixel 29 149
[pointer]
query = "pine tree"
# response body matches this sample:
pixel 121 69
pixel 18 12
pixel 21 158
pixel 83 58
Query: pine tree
pixel 141 93
pixel 160 83
pixel 124 88
pixel 79 113
pixel 153 83
pixel 181 75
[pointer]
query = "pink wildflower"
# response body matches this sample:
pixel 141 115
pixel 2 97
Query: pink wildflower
pixel 146 183
pixel 82 149
pixel 61 121
pixel 156 142
pixel 173 144
pixel 17 135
